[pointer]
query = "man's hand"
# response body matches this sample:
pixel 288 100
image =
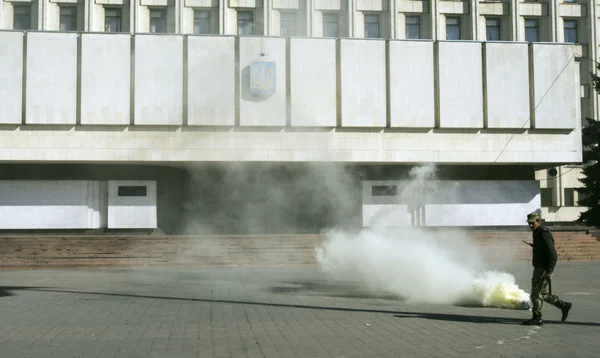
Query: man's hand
pixel 547 276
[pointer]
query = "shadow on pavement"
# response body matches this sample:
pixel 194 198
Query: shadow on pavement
pixel 5 291
pixel 399 314
pixel 341 290
pixel 484 319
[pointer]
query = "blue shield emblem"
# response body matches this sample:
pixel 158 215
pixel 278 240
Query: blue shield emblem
pixel 262 78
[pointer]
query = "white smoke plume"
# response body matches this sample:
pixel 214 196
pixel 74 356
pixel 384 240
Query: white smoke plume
pixel 420 265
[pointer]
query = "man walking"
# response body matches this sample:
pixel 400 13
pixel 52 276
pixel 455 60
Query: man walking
pixel 544 261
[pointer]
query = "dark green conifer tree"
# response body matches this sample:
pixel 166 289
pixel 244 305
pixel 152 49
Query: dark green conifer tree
pixel 589 194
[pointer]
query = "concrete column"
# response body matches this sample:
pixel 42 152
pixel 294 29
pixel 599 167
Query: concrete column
pixel 554 20
pixel 135 7
pixel 87 18
pixel 474 12
pixel 514 21
pixel 42 15
pixel 310 15
pixel 435 19
pixel 351 18
pixel 222 20
pixel 393 15
pixel 178 10
pixel 266 17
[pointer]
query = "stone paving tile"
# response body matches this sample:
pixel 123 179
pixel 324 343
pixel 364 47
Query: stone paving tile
pixel 274 312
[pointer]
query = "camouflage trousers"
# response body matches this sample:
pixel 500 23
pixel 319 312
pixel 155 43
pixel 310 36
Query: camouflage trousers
pixel 540 293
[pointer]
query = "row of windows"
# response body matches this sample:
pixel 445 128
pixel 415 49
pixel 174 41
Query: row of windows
pixel 568 197
pixel 372 24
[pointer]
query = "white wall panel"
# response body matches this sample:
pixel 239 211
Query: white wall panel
pixel 313 82
pixel 452 203
pixel 267 109
pixel 507 84
pixel 51 78
pixel 62 204
pixel 555 86
pixel 132 212
pixel 158 80
pixel 105 79
pixel 480 214
pixel 460 85
pixel 11 77
pixel 386 215
pixel 411 84
pixel 211 81
pixel 363 83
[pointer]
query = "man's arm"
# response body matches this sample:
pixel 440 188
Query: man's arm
pixel 551 252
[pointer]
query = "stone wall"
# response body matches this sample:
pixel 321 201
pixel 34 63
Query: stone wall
pixel 53 252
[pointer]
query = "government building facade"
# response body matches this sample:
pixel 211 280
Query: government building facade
pixel 277 116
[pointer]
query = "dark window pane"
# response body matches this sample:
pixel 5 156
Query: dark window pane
pixel 22 17
pixel 546 196
pixel 330 25
pixel 245 23
pixel 68 18
pixel 570 31
pixel 112 20
pixel 132 191
pixel 288 24
pixel 158 21
pixel 452 28
pixel 384 190
pixel 531 30
pixel 201 22
pixel 569 197
pixel 372 26
pixel 492 29
pixel 413 27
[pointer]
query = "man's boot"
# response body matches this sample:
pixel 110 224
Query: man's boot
pixel 565 307
pixel 534 321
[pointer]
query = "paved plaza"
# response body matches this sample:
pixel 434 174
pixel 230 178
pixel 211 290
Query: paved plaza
pixel 274 312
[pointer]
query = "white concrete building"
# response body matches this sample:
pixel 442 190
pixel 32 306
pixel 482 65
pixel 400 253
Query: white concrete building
pixel 166 91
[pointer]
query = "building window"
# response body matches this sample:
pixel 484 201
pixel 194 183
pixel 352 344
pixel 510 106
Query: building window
pixel 569 197
pixel 384 190
pixel 413 27
pixel 330 25
pixel 22 17
pixel 492 29
pixel 132 191
pixel 68 18
pixel 452 28
pixel 546 197
pixel 158 21
pixel 112 20
pixel 245 23
pixel 287 24
pixel 531 30
pixel 372 29
pixel 570 28
pixel 201 21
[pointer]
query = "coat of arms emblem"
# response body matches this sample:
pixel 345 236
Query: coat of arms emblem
pixel 262 78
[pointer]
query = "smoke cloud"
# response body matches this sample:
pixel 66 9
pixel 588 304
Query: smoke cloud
pixel 259 198
pixel 418 264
